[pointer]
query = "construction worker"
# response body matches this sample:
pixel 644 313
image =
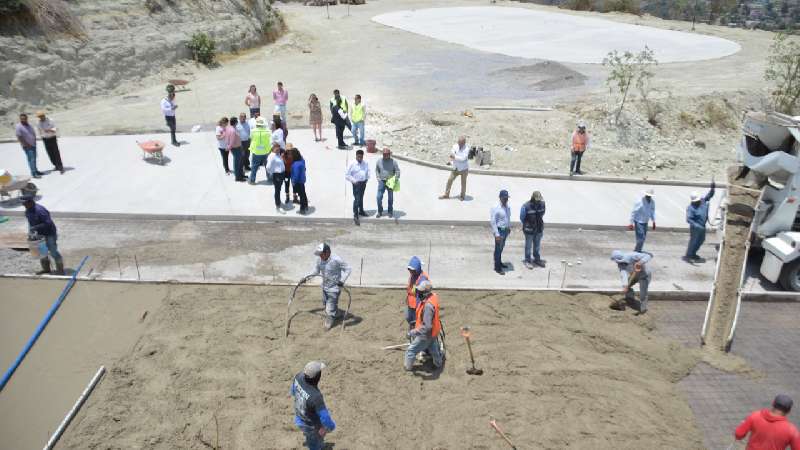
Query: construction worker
pixel 643 212
pixel 532 217
pixel 340 118
pixel 310 413
pixel 334 272
pixel 415 276
pixel 769 429
pixel 500 222
pixel 260 147
pixel 427 326
pixel 632 269
pixel 41 225
pixel 696 217
pixel 580 141
pixel 358 116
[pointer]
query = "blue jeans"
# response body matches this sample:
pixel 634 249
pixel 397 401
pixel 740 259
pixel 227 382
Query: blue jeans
pixel 358 132
pixel 313 440
pixel 30 153
pixel 499 245
pixel 281 110
pixel 411 316
pixel 533 242
pixel 238 163
pixel 641 234
pixel 697 236
pixel 421 344
pixel 253 112
pixel 52 247
pixel 256 161
pixel 381 188
pixel 358 196
pixel 330 300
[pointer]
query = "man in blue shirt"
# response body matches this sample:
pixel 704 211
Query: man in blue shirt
pixel 643 212
pixel 41 225
pixel 696 217
pixel 500 221
pixel 310 413
pixel 633 269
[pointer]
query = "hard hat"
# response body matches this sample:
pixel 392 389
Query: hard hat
pixel 261 122
pixel 504 194
pixel 649 193
pixel 424 286
pixel 695 196
pixel 313 369
pixel 581 124
pixel 322 248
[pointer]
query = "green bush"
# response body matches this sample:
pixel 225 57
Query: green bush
pixel 203 48
pixel 626 6
pixel 11 6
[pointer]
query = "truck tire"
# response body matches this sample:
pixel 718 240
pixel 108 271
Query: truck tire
pixel 790 276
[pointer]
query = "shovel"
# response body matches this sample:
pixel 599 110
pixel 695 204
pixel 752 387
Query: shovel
pixel 471 370
pixel 493 424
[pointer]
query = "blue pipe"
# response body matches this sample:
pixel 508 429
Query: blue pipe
pixel 41 326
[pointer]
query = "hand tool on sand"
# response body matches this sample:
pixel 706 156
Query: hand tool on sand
pixel 496 427
pixel 465 332
pixel 395 347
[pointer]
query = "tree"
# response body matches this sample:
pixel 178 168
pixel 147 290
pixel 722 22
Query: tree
pixel 629 69
pixel 783 70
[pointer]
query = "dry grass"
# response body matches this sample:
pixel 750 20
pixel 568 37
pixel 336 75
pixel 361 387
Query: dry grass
pixel 718 114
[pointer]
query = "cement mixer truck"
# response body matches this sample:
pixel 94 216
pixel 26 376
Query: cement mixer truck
pixel 770 156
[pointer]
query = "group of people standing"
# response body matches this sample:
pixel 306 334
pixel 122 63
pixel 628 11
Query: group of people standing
pixel 27 136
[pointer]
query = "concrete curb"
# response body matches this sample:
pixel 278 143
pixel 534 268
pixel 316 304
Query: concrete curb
pixel 669 295
pixel 319 220
pixel 550 176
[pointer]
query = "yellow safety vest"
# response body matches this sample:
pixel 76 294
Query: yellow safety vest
pixel 344 103
pixel 358 112
pixel 260 141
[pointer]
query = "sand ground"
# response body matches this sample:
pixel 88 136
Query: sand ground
pixel 560 372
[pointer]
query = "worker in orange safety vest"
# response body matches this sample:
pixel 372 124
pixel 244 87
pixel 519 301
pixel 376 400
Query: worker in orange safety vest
pixel 579 143
pixel 415 276
pixel 428 325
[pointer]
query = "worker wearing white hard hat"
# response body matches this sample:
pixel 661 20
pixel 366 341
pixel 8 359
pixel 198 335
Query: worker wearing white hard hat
pixel 334 272
pixel 427 327
pixel 696 217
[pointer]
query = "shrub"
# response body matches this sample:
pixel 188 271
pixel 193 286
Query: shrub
pixel 203 48
pixel 718 115
pixel 783 69
pixel 626 6
pixel 630 69
pixel 11 6
pixel 579 5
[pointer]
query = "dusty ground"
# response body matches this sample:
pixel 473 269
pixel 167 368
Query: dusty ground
pixel 408 81
pixel 559 372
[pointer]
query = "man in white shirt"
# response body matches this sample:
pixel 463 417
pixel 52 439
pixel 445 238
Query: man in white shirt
pixel 459 158
pixel 47 130
pixel 358 174
pixel 168 108
pixel 500 221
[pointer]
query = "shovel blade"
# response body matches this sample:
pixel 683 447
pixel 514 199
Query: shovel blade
pixel 474 371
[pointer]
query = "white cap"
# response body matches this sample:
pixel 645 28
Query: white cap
pixel 322 248
pixel 581 124
pixel 695 196
pixel 313 369
pixel 649 193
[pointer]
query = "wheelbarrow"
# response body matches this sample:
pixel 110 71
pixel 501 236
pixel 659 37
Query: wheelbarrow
pixel 9 184
pixel 152 150
pixel 303 281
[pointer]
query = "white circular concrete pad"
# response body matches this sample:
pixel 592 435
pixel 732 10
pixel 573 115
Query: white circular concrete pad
pixel 528 33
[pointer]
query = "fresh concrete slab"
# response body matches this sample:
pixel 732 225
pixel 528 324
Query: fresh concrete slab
pixel 106 175
pixel 529 33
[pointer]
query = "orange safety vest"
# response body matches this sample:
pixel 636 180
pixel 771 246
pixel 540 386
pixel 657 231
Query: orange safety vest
pixel 579 142
pixel 411 289
pixel 437 324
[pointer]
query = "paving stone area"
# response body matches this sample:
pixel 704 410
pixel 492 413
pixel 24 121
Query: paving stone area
pixel 767 337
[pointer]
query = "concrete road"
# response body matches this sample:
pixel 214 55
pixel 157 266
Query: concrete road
pixel 263 252
pixel 107 176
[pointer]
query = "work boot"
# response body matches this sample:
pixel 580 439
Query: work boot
pixel 355 220
pixel 540 262
pixel 45 262
pixel 407 365
pixel 59 267
pixel 328 323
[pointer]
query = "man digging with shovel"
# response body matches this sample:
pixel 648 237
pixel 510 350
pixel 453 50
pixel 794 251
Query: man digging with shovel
pixel 632 269
pixel 425 335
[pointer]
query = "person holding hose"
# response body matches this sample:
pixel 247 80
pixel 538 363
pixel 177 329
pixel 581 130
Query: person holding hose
pixel 427 326
pixel 633 269
pixel 310 413
pixel 334 272
pixel 696 217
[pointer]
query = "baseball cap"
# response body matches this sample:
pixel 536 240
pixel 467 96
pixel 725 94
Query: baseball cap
pixel 504 194
pixel 313 369
pixel 782 402
pixel 322 248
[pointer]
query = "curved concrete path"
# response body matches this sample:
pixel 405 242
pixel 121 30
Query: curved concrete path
pixel 106 176
pixel 528 33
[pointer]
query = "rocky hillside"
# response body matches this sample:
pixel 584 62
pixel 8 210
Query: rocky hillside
pixel 120 40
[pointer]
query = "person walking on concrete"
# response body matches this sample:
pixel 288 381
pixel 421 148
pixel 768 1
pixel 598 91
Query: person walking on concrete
pixel 334 273
pixel 358 174
pixel 643 212
pixel 243 128
pixel 580 141
pixel 27 139
pixel 633 269
pixel 276 170
pixel 769 429
pixel 532 217
pixel 41 225
pixel 168 107
pixel 260 146
pixel 280 96
pixel 339 118
pixel 298 175
pixel 500 221
pixel 415 276
pixel 459 158
pixel 386 168
pixel 253 101
pixel 222 144
pixel 315 116
pixel 47 130
pixel 427 326
pixel 310 413
pixel 278 132
pixel 359 115
pixel 288 158
pixel 696 217
pixel 233 144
